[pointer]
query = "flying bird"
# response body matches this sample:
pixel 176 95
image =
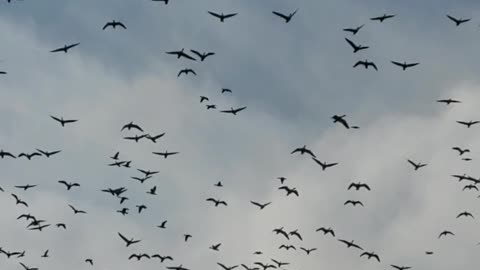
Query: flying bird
pixel 382 18
pixel 6 154
pixel 114 24
pixel 222 16
pixel 303 150
pixel 404 65
pixel 130 126
pixel 354 203
pixel 19 201
pixel 186 71
pixel 354 31
pixel 165 154
pixel 75 211
pixel 448 101
pixel 234 111
pixel 154 138
pixel 48 154
pixel 460 150
pixel 366 64
pixel 324 165
pixel 416 165
pixel 226 90
pixel 465 214
pixel 127 241
pixel 289 190
pixel 288 17
pixel 202 56
pixel 350 244
pixel 326 231
pixel 308 250
pixel 65 48
pixel 260 205
pixel 445 233
pixel 181 53
pixel 358 185
pixel 29 156
pixel 62 121
pixel 216 202
pixel 468 124
pixel 457 21
pixel 370 255
pixel 215 247
pixel 356 47
pixel 26 187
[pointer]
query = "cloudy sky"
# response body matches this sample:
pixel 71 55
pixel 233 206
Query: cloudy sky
pixel 292 78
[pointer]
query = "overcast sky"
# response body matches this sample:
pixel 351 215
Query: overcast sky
pixel 292 78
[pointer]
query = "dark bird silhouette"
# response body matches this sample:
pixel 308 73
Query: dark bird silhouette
pixel 308 250
pixel 135 138
pixel 6 154
pixel 141 208
pixel 287 247
pixel 282 179
pixel 154 138
pixel 61 225
pixel 400 267
pixel 226 90
pixel 340 119
pixel 366 64
pixel 186 237
pixel 211 106
pixel 114 24
pixel 404 65
pixel 358 185
pixel 279 263
pixel 163 225
pixel 460 150
pixel 324 165
pixel 123 211
pixel 122 199
pixel 445 233
pixel 48 154
pixel 289 190
pixel 65 48
pixel 62 121
pixel 457 21
pixel 29 156
pixel 234 111
pixel 141 180
pixel 147 173
pixel 162 258
pixel 296 233
pixel 416 166
pixel 221 16
pixel 186 71
pixel 181 53
pixel 117 163
pixel 465 214
pixel 215 247
pixel 45 254
pixel 470 187
pixel 139 256
pixel 326 231
pixel 26 187
pixel 264 266
pixel 69 185
pixel 165 154
pixel 350 244
pixel 468 124
pixel 382 18
pixel 303 150
pixel 354 31
pixel 90 261
pixel 216 202
pixel 288 17
pixel 282 232
pixel 260 205
pixel 127 241
pixel 356 47
pixel 75 211
pixel 370 255
pixel 39 227
pixel 354 203
pixel 448 101
pixel 180 267
pixel 253 268
pixel 202 56
pixel 429 252
pixel 130 126
pixel 115 157
pixel 28 268
pixel 203 98
pixel 19 201
pixel 219 184
pixel 152 191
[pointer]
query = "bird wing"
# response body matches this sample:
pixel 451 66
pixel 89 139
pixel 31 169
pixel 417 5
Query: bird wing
pixel 453 19
pixel 123 237
pixel 412 64
pixel 214 14
pixel 104 27
pixel 197 53
pixel 71 46
pixel 351 43
pixel 397 63
pixel 230 15
pixel 280 15
pixel 122 25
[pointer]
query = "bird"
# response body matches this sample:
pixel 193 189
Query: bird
pixel 218 184
pixel 222 16
pixel 354 203
pixel 468 124
pixel 289 190
pixel 147 173
pixel 28 268
pixel 264 266
pixel 215 247
pixel 326 231
pixel 350 244
pixel 358 185
pixel 45 254
pixel 382 18
pixel 282 179
pixel 216 202
pixel 470 187
pixel 253 268
pixel 465 214
pixel 296 233
pixel 154 138
pixel 416 165
pixel 127 241
pixel 282 232
pixel 141 180
pixel 457 21
pixel 135 138
pixel 19 201
pixel 445 233
pixel 404 65
pixel 62 121
pixel 448 101
pixel 65 48
pixel 48 154
pixel 227 268
pixel 6 154
pixel 356 47
pixel 340 119
pixel 90 261
pixel 288 17
pixel 400 267
pixel 324 165
pixel 69 185
pixel 163 225
pixel 61 225
pixel 211 106
pixel 186 237
pixel 180 267
pixel 370 255
pixel 181 53
pixel 114 24
pixel 287 247
pixel 303 150
pixel 308 250
pixel 165 154
pixel 429 252
pixel 162 258
pixel 260 205
pixel 354 31
pixel 117 163
pixel 203 98
pixel 460 150
pixel 26 187
pixel 130 126
pixel 279 263
pixel 141 207
pixel 139 256
pixel 152 191
pixel 3 72
pixel 234 111
pixel 366 64
pixel 29 156
pixel 186 71
pixel 75 211
pixel 226 90
pixel 123 211
pixel 202 56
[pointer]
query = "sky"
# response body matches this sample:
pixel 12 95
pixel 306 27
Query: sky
pixel 292 78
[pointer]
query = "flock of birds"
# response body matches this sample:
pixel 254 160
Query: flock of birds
pixel 34 222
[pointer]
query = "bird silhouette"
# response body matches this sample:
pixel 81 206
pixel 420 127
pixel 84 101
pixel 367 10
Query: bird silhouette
pixel 355 30
pixel 127 241
pixel 216 202
pixel 261 206
pixel 404 65
pixel 366 64
pixel 202 56
pixel 382 18
pixel 114 24
pixel 62 121
pixel 65 48
pixel 356 48
pixel 458 22
pixel 180 54
pixel 222 16
pixel 288 17
pixel 234 111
